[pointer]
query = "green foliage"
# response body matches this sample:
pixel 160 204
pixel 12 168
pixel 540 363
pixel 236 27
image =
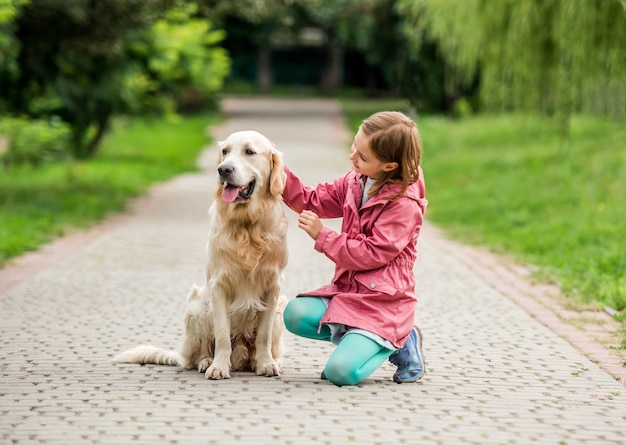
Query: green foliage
pixel 37 205
pixel 179 58
pixel 355 110
pixel 34 142
pixel 372 27
pixel 9 46
pixel 256 12
pixel 377 29
pixel 174 62
pixel 89 61
pixel 557 56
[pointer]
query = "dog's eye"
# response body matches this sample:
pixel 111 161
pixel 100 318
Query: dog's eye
pixel 224 152
pixel 249 151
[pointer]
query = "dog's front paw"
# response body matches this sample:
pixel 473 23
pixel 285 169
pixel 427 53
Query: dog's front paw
pixel 268 369
pixel 217 372
pixel 204 364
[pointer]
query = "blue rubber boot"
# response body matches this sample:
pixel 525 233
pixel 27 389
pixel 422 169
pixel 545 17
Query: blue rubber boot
pixel 409 359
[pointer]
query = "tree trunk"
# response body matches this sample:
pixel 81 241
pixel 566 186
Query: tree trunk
pixel 101 129
pixel 264 77
pixel 332 77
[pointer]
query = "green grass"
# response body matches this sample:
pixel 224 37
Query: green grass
pixel 37 205
pixel 507 182
pixel 355 110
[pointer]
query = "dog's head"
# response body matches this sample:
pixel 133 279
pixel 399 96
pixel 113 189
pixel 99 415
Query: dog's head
pixel 248 165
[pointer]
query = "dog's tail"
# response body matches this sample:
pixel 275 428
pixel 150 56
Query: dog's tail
pixel 148 354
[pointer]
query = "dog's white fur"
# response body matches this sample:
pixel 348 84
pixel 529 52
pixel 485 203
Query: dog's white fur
pixel 198 347
pixel 235 320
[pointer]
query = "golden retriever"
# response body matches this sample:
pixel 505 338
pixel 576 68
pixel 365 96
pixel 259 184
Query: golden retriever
pixel 235 320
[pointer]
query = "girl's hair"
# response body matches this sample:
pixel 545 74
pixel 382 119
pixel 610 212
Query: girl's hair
pixel 393 137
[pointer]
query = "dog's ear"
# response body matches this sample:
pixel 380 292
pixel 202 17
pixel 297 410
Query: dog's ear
pixel 277 176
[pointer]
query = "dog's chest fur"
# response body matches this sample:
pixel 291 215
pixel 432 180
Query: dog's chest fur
pixel 244 252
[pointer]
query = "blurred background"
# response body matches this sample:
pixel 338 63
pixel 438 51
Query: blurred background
pixel 76 64
pixel 521 104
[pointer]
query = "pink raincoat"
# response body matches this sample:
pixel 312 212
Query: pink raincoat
pixel 374 286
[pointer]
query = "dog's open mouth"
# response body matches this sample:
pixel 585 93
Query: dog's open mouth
pixel 232 193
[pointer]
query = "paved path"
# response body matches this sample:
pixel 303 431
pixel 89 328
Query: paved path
pixel 495 374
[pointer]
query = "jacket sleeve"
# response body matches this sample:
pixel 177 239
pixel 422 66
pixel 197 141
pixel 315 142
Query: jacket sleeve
pixel 396 227
pixel 326 199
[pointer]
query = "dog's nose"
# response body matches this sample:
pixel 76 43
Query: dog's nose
pixel 225 170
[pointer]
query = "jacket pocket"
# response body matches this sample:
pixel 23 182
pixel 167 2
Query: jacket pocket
pixel 374 283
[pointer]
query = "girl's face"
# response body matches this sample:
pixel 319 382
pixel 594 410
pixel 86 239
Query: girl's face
pixel 364 161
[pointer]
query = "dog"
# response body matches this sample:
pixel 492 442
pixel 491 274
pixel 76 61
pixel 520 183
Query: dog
pixel 197 349
pixel 235 321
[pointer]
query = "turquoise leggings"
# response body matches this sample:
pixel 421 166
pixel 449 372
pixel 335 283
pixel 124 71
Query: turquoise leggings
pixel 356 356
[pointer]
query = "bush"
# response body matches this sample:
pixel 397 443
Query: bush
pixel 34 142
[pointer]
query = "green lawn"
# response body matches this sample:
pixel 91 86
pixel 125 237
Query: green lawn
pixel 36 205
pixel 509 183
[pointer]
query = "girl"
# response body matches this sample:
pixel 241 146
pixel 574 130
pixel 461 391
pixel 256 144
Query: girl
pixel 369 307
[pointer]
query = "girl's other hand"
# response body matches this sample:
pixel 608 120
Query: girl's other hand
pixel 310 223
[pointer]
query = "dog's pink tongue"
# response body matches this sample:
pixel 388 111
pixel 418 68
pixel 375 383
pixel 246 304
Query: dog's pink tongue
pixel 229 194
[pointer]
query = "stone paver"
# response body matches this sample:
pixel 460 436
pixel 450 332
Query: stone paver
pixel 495 374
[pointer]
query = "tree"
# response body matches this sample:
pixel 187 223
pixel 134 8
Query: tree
pixel 556 56
pixel 9 45
pixel 181 53
pixel 260 20
pixel 86 61
pixel 375 28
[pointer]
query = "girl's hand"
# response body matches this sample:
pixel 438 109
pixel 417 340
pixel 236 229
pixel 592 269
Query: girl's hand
pixel 310 223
